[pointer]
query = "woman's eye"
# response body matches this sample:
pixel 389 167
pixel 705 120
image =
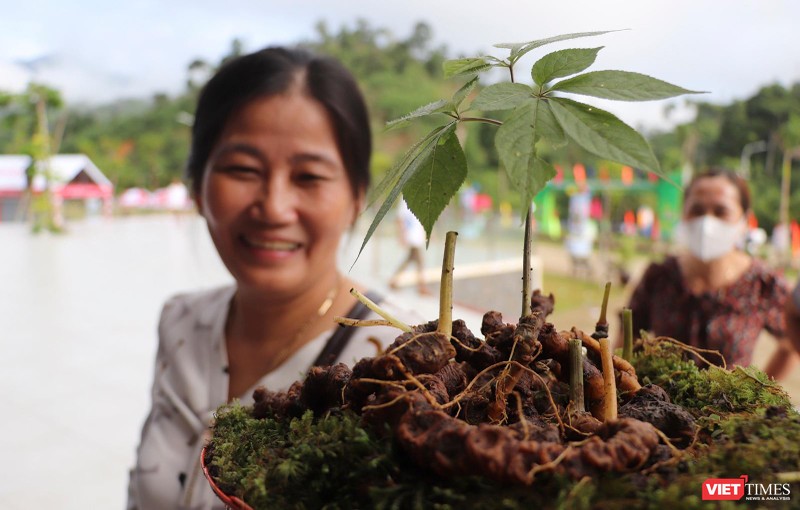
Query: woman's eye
pixel 309 177
pixel 240 170
pixel 722 213
pixel 695 212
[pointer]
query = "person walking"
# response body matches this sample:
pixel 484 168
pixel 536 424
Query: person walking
pixel 411 234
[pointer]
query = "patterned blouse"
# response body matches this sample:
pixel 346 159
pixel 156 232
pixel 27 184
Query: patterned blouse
pixel 191 381
pixel 728 320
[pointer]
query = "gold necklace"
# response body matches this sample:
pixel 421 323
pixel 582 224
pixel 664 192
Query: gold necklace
pixel 323 309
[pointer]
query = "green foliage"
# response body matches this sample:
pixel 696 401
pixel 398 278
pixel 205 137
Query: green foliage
pixel 562 63
pixel 516 144
pixel 421 155
pixel 518 50
pixel 439 106
pixel 603 134
pixel 538 114
pixel 428 191
pixel 621 86
pixel 502 96
pixel 398 73
pixel 465 66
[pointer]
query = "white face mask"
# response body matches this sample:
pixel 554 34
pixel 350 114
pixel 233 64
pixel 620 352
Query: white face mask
pixel 709 237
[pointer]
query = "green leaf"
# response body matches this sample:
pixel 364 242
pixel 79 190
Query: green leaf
pixel 461 66
pixel 440 176
pixel 502 96
pixel 439 106
pixel 603 134
pixel 546 125
pixel 410 165
pixel 520 49
pixel 620 85
pixel 516 146
pixel 563 63
pixel 463 92
pixel 396 171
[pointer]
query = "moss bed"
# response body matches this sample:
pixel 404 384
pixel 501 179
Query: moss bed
pixel 744 425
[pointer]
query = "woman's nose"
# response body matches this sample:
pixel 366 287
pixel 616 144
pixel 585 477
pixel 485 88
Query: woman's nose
pixel 275 203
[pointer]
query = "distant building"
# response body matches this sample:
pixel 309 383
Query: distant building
pixel 74 178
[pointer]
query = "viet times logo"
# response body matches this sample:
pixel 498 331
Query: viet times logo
pixel 739 488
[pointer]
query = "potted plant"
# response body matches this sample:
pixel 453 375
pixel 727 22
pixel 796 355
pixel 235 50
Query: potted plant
pixel 528 415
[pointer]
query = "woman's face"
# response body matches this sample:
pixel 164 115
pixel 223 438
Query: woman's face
pixel 276 195
pixel 715 196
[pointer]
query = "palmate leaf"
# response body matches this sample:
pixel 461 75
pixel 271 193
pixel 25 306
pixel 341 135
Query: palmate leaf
pixel 520 49
pixel 440 176
pixel 439 106
pixel 461 66
pixel 620 85
pixel 603 134
pixel 409 166
pixel 502 96
pixel 563 63
pixel 516 146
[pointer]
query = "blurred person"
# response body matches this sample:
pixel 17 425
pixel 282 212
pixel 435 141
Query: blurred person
pixel 645 218
pixel 279 167
pixel 792 317
pixel 713 295
pixel 581 234
pixel 581 230
pixel 411 235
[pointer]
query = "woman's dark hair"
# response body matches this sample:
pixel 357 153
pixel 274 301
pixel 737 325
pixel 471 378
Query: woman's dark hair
pixel 272 71
pixel 737 180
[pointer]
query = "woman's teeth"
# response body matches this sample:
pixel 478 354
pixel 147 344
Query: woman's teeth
pixel 272 245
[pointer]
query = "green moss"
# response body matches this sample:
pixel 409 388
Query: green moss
pixel 302 463
pixel 713 388
pixel 332 462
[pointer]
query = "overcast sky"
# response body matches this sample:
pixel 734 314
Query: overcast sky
pixel 98 51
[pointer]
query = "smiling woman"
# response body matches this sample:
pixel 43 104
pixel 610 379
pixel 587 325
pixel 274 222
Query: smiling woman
pixel 279 168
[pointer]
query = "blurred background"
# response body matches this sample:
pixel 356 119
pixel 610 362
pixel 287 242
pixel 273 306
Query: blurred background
pixel 97 228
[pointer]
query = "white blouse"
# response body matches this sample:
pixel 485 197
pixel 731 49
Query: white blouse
pixel 191 382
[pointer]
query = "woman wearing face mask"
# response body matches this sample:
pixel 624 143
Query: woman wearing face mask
pixel 713 295
pixel 279 167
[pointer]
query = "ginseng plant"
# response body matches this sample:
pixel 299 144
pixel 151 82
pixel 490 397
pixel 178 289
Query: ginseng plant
pixel 433 170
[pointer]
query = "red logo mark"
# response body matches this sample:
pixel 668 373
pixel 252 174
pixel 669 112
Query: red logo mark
pixel 724 488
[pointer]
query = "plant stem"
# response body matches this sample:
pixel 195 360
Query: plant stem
pixel 601 328
pixel 526 263
pixel 627 334
pixel 446 286
pixel 380 311
pixel 481 119
pixel 361 323
pixel 576 374
pixel 609 383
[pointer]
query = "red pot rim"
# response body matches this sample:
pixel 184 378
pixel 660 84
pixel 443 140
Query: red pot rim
pixel 231 502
